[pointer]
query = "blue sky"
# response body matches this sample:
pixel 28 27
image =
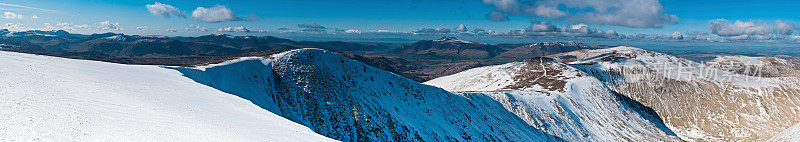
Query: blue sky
pixel 85 16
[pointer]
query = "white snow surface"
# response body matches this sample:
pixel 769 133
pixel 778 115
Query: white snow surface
pixel 789 135
pixel 57 99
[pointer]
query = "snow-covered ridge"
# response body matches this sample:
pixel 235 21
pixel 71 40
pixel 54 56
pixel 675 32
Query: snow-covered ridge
pixel 57 99
pixel 539 74
pixel 455 40
pixel 560 100
pixel 116 38
pixel 350 101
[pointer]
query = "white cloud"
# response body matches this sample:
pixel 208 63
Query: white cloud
pixel 629 13
pixel 540 26
pixel 198 28
pixel 170 30
pixel 12 15
pixel 785 27
pixel 164 10
pixel 233 29
pixel 547 11
pixel 218 13
pixel 351 31
pixel 723 27
pixel 12 26
pixel 34 17
pixel 70 27
pixel 108 25
pixel 142 28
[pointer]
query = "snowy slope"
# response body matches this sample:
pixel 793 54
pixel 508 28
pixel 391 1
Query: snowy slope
pixel 560 100
pixel 351 101
pixel 723 100
pixel 56 99
pixel 789 135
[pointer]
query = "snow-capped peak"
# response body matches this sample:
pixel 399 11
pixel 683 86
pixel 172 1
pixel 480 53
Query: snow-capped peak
pixel 451 39
pixel 116 38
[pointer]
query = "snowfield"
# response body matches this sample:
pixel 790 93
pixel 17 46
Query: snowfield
pixel 57 99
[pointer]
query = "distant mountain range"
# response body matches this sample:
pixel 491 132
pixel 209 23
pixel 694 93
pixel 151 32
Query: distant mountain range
pixel 134 49
pixel 420 61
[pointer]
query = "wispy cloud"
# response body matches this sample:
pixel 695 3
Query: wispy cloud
pixel 108 25
pixel 26 7
pixel 198 28
pixel 11 15
pixel 724 27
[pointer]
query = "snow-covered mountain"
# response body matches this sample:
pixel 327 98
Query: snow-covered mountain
pixel 731 98
pixel 614 94
pixel 560 100
pixel 350 101
pixel 57 99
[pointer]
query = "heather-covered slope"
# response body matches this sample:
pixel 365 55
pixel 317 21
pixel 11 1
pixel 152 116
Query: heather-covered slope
pixel 722 100
pixel 560 100
pixel 57 99
pixel 350 101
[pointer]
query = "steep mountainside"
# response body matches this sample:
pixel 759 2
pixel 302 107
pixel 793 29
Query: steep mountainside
pixel 57 99
pixel 350 101
pixel 725 100
pixel 561 101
